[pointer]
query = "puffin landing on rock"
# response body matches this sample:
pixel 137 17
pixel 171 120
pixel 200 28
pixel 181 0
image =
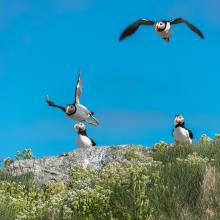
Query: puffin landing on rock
pixel 76 111
pixel 83 141
pixel 163 28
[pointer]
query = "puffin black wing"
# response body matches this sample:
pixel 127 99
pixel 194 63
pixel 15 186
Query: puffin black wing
pixel 190 133
pixel 93 142
pixel 51 103
pixel 78 90
pixel 191 26
pixel 131 29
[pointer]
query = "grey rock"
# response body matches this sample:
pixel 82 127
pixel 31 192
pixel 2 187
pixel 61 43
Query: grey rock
pixel 57 168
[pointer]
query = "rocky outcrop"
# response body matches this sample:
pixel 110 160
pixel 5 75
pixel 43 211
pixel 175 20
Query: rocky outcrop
pixel 56 168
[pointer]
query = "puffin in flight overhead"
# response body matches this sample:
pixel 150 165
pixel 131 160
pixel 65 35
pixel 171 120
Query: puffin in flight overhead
pixel 83 141
pixel 181 134
pixel 163 28
pixel 76 111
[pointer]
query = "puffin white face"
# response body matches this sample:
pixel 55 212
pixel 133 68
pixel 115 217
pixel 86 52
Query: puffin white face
pixel 70 109
pixel 80 127
pixel 160 26
pixel 179 119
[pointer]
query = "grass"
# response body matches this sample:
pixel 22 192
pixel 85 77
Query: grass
pixel 6 212
pixel 179 183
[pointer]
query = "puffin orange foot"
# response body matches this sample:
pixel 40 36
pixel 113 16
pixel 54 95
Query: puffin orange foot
pixel 90 122
pixel 167 39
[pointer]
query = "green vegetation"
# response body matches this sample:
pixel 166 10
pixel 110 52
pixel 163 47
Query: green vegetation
pixel 170 183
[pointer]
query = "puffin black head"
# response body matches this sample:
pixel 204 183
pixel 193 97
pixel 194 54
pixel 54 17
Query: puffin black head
pixel 179 120
pixel 161 26
pixel 81 128
pixel 70 109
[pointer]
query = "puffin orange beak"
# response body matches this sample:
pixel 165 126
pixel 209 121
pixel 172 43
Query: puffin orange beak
pixel 167 39
pixel 67 109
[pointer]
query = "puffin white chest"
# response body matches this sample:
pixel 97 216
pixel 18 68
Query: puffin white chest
pixel 83 141
pixel 165 33
pixel 181 135
pixel 81 113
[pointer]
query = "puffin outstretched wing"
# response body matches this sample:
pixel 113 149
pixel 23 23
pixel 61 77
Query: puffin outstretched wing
pixel 131 29
pixel 191 26
pixel 78 90
pixel 51 103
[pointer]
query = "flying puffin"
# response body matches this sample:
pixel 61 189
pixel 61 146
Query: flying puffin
pixel 83 141
pixel 181 134
pixel 163 28
pixel 76 111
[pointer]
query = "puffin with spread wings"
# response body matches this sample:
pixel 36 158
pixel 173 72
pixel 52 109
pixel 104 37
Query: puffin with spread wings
pixel 76 111
pixel 163 28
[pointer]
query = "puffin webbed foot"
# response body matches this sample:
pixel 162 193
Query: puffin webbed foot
pixel 167 39
pixel 91 122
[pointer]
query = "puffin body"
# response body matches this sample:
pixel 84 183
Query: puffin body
pixel 81 113
pixel 163 28
pixel 165 32
pixel 83 141
pixel 76 111
pixel 181 134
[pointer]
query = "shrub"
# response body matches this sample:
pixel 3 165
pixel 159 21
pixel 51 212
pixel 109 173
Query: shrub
pixel 174 182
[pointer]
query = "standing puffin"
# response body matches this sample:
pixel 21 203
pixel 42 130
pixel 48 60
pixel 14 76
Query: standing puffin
pixel 83 141
pixel 76 111
pixel 181 134
pixel 163 28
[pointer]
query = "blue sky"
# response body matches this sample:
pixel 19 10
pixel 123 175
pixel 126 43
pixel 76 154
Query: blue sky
pixel 135 87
